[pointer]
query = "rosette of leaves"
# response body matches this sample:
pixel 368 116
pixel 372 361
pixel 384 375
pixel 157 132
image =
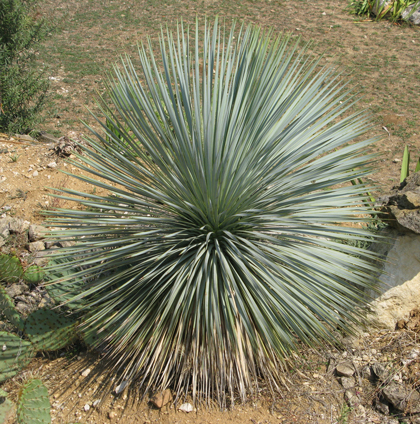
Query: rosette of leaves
pixel 215 246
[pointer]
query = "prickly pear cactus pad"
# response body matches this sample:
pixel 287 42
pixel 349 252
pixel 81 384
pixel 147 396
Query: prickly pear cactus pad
pixel 63 291
pixel 48 330
pixel 34 274
pixel 10 269
pixel 7 308
pixel 15 354
pixel 6 407
pixel 33 404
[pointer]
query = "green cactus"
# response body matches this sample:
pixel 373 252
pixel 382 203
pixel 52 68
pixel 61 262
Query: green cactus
pixel 10 268
pixel 63 291
pixel 6 407
pixel 34 274
pixel 7 308
pixel 48 330
pixel 33 404
pixel 15 354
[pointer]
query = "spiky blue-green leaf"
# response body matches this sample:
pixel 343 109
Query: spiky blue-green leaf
pixel 216 243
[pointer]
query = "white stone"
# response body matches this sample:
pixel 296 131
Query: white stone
pixel 35 174
pixel 86 407
pixel 52 165
pixel 379 6
pixel 86 372
pixel 186 407
pixel 415 16
pixel 36 246
pixel 401 282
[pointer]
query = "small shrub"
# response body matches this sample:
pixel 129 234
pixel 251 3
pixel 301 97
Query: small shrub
pixel 379 9
pixel 22 87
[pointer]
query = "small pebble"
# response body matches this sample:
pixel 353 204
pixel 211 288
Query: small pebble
pixel 86 407
pixel 86 372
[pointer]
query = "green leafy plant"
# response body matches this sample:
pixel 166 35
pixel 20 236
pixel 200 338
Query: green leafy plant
pixel 359 7
pixel 405 165
pixel 219 246
pixel 344 416
pixel 393 10
pixel 22 86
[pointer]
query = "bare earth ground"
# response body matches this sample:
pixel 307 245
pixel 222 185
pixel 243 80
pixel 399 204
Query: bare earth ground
pixel 382 58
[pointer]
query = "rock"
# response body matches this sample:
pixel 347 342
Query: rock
pixel 35 174
pixel 4 227
pixel 402 398
pixel 351 398
pixel 379 371
pixel 186 407
pixel 17 289
pixel 52 165
pixel 345 369
pixel 18 226
pixel 401 208
pixel 36 232
pixel 24 308
pixel 65 147
pixel 86 407
pixel 366 373
pixel 2 241
pixel 49 244
pixel 47 138
pixel 96 403
pixel 26 299
pixel 382 406
pixel 160 399
pixel 47 301
pixel 86 372
pixel 112 415
pixel 380 6
pixel 25 138
pixel 36 246
pixel 401 324
pixel 347 382
pixel 414 18
pixel 360 410
pixel 400 278
pixel 67 243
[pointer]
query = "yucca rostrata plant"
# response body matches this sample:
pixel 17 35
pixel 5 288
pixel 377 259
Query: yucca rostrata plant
pixel 219 245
